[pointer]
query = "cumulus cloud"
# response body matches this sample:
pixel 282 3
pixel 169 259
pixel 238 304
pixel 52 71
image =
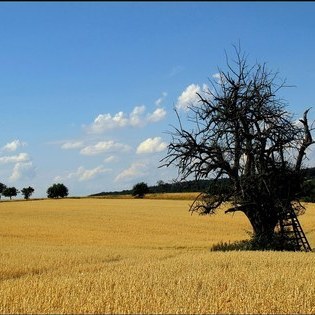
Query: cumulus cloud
pixel 21 157
pixel 136 118
pixel 217 77
pixel 83 174
pixel 23 170
pixel 107 121
pixel 23 166
pixel 161 99
pixel 157 115
pixel 110 159
pixel 151 145
pixel 13 146
pixel 298 123
pixel 72 145
pixel 136 169
pixel 104 146
pixel 189 96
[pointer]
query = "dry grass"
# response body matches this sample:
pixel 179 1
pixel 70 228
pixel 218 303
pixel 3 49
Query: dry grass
pixel 142 256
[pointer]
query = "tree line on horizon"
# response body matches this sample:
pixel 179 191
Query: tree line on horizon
pixel 13 191
pixel 55 191
pixel 207 185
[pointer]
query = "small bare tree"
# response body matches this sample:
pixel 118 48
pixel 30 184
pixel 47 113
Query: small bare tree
pixel 243 132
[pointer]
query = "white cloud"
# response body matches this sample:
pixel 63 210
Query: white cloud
pixel 157 115
pixel 151 145
pixel 136 118
pixel 104 146
pixel 23 166
pixel 110 159
pixel 13 146
pixel 136 169
pixel 160 100
pixel 190 97
pixel 83 174
pixel 219 77
pixel 106 121
pixel 23 170
pixel 298 123
pixel 21 157
pixel 72 145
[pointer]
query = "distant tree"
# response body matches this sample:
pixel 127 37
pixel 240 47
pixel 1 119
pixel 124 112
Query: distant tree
pixel 160 183
pixel 2 187
pixel 57 191
pixel 10 192
pixel 27 192
pixel 139 190
pixel 160 187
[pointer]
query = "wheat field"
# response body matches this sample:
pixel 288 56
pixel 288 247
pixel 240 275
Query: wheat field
pixel 143 256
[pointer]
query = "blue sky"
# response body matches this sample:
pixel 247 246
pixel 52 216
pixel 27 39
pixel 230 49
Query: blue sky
pixel 87 89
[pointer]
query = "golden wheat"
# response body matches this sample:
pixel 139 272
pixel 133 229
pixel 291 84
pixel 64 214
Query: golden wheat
pixel 142 256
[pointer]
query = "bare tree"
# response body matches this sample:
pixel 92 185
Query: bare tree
pixel 243 132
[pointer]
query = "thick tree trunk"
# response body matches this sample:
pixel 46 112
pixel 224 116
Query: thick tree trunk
pixel 263 225
pixel 263 222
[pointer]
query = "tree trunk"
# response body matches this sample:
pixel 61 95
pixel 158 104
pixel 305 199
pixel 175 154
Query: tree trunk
pixel 263 224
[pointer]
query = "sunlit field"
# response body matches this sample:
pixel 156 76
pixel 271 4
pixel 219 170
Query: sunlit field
pixel 143 256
